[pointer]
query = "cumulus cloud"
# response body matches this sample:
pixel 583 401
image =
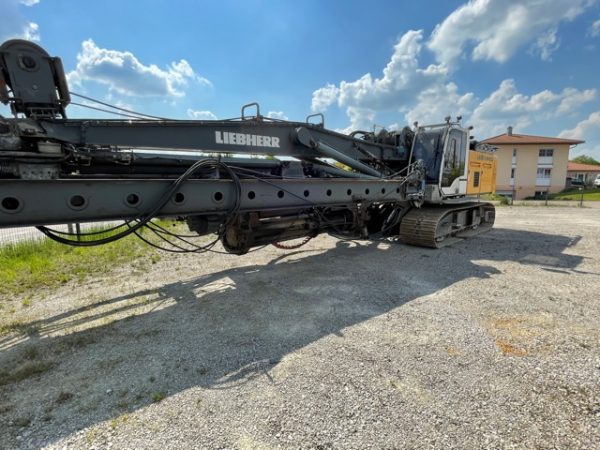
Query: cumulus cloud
pixel 277 115
pixel 360 119
pixel 201 115
pixel 14 23
pixel 589 131
pixel 495 29
pixel 403 82
pixel 439 101
pixel 324 97
pixel 507 106
pixel 584 128
pixel 123 73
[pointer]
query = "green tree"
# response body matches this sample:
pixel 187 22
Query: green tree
pixel 584 159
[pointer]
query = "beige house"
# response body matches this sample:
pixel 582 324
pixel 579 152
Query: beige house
pixel 583 172
pixel 530 165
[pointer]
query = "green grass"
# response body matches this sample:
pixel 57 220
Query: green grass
pixel 575 194
pixel 31 265
pixel 495 197
pixel 158 396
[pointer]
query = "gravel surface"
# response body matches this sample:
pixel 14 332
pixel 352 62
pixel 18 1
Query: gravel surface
pixel 491 343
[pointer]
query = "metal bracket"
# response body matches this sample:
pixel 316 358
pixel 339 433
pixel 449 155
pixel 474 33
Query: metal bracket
pixel 257 116
pixel 321 124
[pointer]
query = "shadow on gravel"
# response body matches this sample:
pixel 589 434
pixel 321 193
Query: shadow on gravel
pixel 222 329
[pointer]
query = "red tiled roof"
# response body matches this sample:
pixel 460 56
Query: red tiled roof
pixel 578 167
pixel 529 139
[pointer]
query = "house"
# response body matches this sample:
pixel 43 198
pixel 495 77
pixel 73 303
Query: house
pixel 583 172
pixel 530 165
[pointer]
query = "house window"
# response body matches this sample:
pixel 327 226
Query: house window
pixel 544 173
pixel 512 172
pixel 476 179
pixel 546 152
pixel 514 152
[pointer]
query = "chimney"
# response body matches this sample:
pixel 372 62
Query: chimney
pixel 509 131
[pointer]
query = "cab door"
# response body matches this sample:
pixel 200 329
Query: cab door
pixel 453 180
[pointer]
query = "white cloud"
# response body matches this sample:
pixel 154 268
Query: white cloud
pixel 403 84
pixel 496 29
pixel 14 24
pixel 573 98
pixel 439 101
pixel 201 115
pixel 546 44
pixel 123 73
pixel 360 119
pixel 589 131
pixel 277 115
pixel 426 94
pixel 507 106
pixel 324 97
pixel 595 29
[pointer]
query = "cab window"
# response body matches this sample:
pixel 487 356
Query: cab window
pixel 454 158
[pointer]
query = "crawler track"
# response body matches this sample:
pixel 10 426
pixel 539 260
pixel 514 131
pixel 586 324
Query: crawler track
pixel 439 226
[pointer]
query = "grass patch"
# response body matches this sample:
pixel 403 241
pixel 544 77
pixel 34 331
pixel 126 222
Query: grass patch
pixel 27 370
pixel 32 265
pixel 158 396
pixel 19 327
pixel 31 353
pixel 503 199
pixel 575 194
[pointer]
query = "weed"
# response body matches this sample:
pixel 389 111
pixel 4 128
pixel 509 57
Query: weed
pixel 5 407
pixel 91 435
pixel 26 302
pixel 19 327
pixel 22 421
pixel 119 420
pixel 27 370
pixel 64 397
pixel 152 379
pixel 158 396
pixel 31 353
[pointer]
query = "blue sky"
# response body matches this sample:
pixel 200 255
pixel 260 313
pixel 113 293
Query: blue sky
pixel 532 64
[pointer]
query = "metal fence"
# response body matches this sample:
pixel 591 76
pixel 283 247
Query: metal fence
pixel 21 235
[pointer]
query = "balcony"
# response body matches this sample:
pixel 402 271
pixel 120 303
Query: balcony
pixel 542 181
pixel 545 160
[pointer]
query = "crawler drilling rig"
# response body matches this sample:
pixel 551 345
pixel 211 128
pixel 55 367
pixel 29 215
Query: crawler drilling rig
pixel 251 181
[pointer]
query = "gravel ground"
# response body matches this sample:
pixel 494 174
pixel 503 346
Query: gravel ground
pixel 491 343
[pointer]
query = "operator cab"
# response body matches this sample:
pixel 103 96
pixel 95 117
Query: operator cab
pixel 443 149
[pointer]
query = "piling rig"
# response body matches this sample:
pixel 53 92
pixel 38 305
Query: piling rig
pixel 251 181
